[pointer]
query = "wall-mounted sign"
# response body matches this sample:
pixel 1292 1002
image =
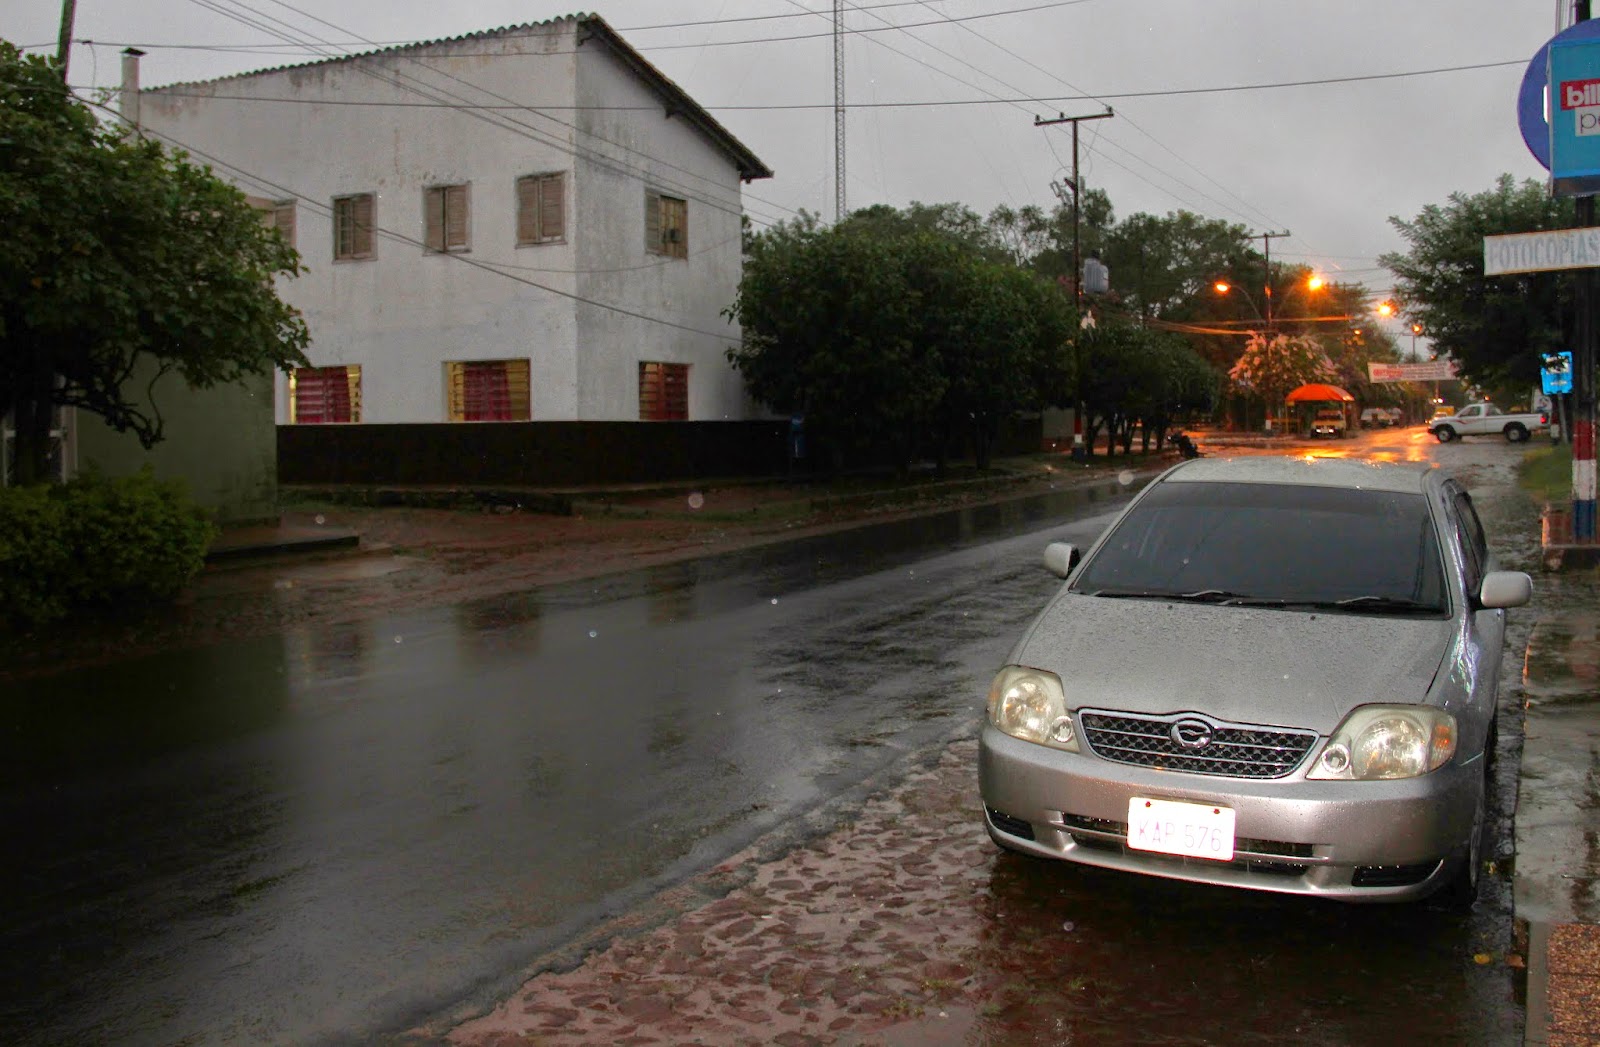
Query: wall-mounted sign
pixel 1541 252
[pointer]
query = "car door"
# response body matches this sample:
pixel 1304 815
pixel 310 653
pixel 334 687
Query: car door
pixel 1483 630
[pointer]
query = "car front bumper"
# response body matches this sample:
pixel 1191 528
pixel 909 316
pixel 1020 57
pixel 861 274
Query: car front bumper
pixel 1353 841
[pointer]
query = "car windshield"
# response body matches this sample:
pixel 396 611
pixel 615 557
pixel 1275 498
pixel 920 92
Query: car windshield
pixel 1274 545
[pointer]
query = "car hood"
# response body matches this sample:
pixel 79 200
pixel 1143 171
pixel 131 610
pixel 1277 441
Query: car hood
pixel 1244 664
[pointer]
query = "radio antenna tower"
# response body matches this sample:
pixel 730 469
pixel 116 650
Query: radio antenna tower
pixel 838 111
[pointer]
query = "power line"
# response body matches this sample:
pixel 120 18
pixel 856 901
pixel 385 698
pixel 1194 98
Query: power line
pixel 445 98
pixel 1128 120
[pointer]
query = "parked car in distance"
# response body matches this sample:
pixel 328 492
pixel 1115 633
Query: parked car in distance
pixel 1328 421
pixel 1487 420
pixel 1277 674
pixel 1376 418
pixel 1397 417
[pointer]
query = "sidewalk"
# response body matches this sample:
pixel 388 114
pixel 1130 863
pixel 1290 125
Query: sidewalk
pixel 1557 883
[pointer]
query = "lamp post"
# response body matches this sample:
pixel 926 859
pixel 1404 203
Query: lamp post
pixel 1312 283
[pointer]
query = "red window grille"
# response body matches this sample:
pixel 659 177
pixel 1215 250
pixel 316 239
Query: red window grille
pixel 663 392
pixel 326 394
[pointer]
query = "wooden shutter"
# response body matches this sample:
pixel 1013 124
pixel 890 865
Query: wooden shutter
pixel 455 217
pixel 652 222
pixel 363 226
pixel 528 210
pixel 553 207
pixel 283 220
pixel 433 218
pixel 675 227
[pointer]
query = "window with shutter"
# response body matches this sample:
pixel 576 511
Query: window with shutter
pixel 325 394
pixel 663 392
pixel 275 214
pixel 488 390
pixel 666 225
pixel 541 208
pixel 446 219
pixel 352 227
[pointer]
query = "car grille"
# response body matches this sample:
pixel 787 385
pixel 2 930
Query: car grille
pixel 1233 751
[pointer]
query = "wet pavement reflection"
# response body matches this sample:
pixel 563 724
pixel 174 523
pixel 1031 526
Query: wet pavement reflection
pixel 322 835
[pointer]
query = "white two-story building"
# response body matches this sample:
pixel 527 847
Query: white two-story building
pixel 523 224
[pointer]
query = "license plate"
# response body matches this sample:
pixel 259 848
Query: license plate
pixel 1190 829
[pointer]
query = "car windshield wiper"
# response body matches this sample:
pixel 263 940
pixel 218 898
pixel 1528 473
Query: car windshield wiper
pixel 1396 604
pixel 1198 596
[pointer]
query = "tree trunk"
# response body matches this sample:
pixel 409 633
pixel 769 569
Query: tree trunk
pixel 31 418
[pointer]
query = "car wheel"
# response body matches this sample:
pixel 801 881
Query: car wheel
pixel 1444 434
pixel 1461 891
pixel 1516 433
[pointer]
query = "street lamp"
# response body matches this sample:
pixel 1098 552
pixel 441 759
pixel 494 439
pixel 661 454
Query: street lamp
pixel 1312 283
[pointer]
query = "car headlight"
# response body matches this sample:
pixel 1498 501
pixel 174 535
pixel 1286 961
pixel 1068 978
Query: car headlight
pixel 1387 741
pixel 1030 704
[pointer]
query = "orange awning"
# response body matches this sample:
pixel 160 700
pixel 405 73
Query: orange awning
pixel 1316 392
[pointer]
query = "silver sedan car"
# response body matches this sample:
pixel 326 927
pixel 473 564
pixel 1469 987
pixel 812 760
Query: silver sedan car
pixel 1270 673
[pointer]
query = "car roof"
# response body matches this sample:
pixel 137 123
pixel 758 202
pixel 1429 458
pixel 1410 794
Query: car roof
pixel 1307 470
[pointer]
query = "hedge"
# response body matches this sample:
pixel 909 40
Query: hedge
pixel 97 543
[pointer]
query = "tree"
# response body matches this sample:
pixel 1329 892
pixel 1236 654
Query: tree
pixel 829 333
pixel 1496 328
pixel 123 261
pixel 897 332
pixel 1273 367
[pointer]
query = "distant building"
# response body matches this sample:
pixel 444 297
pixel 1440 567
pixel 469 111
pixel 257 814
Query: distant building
pixel 528 223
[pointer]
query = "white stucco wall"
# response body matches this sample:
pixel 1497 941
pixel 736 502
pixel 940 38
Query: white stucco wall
pixel 405 312
pixel 632 150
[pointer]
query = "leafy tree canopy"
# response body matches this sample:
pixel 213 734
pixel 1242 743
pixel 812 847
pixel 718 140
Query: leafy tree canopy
pixel 1272 368
pixel 1496 328
pixel 122 259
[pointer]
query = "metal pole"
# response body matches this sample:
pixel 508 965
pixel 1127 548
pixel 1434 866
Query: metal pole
pixel 1583 422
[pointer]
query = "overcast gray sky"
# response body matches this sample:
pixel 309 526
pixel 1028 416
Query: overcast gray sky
pixel 1329 162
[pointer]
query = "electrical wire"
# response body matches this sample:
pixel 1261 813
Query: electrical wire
pixel 442 96
pixel 324 210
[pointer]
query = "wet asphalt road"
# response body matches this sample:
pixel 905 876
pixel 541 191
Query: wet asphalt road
pixel 324 837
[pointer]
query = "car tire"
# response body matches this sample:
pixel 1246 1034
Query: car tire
pixel 1516 433
pixel 1460 892
pixel 1444 434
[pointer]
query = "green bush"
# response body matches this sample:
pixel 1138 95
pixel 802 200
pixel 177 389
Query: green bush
pixel 97 542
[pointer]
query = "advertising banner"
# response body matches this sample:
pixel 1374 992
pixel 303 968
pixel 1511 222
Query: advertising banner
pixel 1431 371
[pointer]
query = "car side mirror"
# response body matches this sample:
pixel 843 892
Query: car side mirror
pixel 1061 557
pixel 1505 589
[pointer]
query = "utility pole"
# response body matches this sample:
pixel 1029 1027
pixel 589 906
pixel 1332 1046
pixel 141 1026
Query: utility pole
pixel 69 12
pixel 838 111
pixel 1266 251
pixel 1079 451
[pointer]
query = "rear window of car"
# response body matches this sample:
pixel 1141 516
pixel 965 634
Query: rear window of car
pixel 1272 542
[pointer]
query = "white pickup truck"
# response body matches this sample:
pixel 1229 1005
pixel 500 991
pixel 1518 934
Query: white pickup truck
pixel 1486 420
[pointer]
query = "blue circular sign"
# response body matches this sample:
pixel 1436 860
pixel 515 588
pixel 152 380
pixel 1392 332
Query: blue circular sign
pixel 1531 100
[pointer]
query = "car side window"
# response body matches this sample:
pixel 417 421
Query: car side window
pixel 1473 541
